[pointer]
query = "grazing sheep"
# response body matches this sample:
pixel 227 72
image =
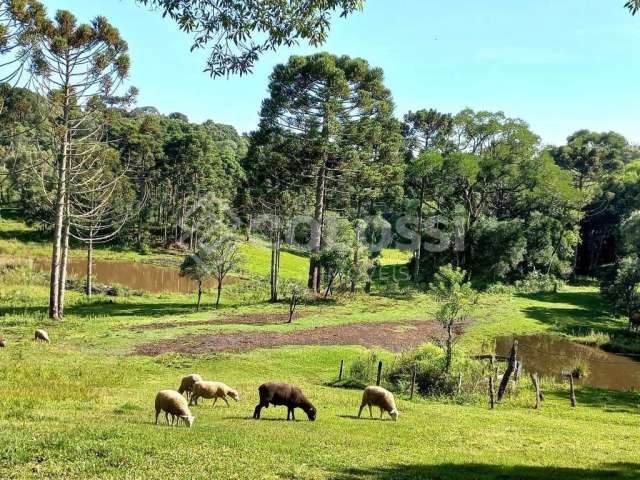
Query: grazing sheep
pixel 174 404
pixel 213 390
pixel 284 394
pixel 381 398
pixel 42 336
pixel 2 344
pixel 634 321
pixel 186 385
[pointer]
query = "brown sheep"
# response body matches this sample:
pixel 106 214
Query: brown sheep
pixel 2 344
pixel 41 336
pixel 186 385
pixel 174 404
pixel 284 394
pixel 381 398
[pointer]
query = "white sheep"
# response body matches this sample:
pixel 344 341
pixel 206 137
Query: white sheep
pixel 381 398
pixel 174 404
pixel 213 390
pixel 186 385
pixel 41 335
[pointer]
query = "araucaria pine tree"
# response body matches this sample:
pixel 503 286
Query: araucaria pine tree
pixel 77 68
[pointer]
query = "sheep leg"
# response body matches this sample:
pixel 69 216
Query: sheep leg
pixel 370 412
pixel 157 414
pixel 166 417
pixel 225 401
pixel 288 413
pixel 361 408
pixel 256 412
pixel 214 401
pixel 381 413
pixel 293 414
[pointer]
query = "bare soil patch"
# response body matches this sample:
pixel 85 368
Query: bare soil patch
pixel 246 319
pixel 394 336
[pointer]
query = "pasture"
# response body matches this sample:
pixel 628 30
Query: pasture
pixel 82 406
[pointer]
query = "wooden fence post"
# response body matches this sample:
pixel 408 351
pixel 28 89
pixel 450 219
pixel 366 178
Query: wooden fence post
pixel 341 367
pixel 492 397
pixel 536 383
pixel 573 392
pixel 511 366
pixel 413 381
pixel 459 389
pixel 379 377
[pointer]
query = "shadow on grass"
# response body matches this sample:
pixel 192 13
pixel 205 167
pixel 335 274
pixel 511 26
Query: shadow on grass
pixel 610 400
pixel 100 307
pixel 489 472
pixel 108 310
pixel 572 313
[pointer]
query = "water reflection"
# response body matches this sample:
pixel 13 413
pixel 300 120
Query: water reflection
pixel 135 275
pixel 549 356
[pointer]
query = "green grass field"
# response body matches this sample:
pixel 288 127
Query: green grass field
pixel 82 406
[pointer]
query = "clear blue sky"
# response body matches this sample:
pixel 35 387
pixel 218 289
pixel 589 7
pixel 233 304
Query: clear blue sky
pixel 561 65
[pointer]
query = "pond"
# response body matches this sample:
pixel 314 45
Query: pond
pixel 134 275
pixel 548 356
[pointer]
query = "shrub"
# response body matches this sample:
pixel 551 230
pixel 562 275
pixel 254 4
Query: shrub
pixel 500 288
pixel 536 282
pixel 431 379
pixel 363 369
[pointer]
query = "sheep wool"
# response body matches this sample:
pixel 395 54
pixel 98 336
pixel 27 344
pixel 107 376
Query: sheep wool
pixel 213 390
pixel 174 404
pixel 41 335
pixel 381 398
pixel 186 385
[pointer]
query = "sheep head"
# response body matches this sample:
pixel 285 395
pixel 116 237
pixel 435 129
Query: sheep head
pixel 311 412
pixel 188 419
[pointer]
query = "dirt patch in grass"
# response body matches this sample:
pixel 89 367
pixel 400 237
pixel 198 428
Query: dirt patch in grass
pixel 394 336
pixel 246 319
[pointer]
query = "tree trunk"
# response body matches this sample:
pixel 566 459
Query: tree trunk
pixel 332 276
pixel 61 195
pixel 511 366
pixel 247 230
pixel 315 276
pixel 62 285
pixel 89 285
pixel 449 347
pixel 356 253
pixel 292 305
pixel 275 262
pixel 219 293
pixel 200 295
pixel 418 258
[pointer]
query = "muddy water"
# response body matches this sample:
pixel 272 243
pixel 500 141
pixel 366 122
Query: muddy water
pixel 135 275
pixel 549 356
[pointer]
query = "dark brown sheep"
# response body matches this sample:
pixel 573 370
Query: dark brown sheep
pixel 284 394
pixel 2 344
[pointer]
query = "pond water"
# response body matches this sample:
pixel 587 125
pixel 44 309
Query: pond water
pixel 549 356
pixel 135 275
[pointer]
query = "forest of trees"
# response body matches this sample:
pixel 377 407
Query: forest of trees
pixel 332 168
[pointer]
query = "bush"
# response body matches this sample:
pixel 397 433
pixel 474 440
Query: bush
pixel 500 288
pixel 536 282
pixel 431 380
pixel 363 370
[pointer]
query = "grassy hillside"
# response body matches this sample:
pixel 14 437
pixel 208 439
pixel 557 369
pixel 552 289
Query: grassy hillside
pixel 82 406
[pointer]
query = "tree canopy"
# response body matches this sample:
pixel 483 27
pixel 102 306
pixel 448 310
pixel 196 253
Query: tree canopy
pixel 239 32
